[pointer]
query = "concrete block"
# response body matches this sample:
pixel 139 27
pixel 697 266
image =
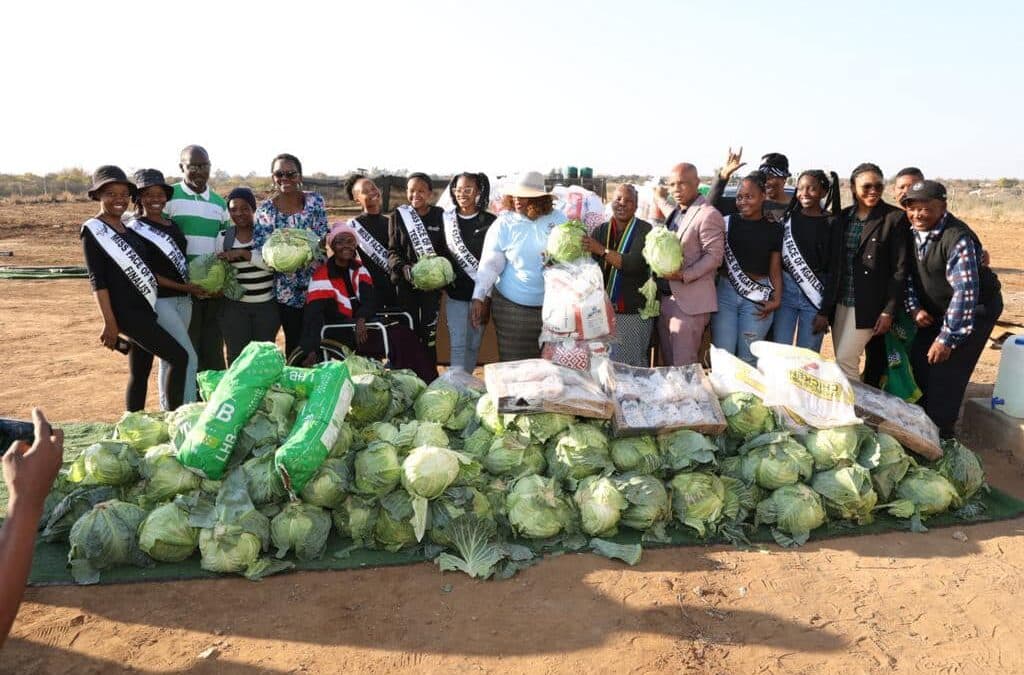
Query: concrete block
pixel 992 428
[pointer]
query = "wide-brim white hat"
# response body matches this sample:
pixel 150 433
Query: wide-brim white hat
pixel 529 184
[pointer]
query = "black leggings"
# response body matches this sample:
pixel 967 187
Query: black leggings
pixel 149 340
pixel 291 324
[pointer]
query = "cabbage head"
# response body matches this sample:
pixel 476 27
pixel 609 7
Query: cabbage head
pixel 662 251
pixel 886 459
pixel 514 456
pixel 636 454
pixel 543 426
pixel 228 548
pixel 329 485
pixel 847 493
pixel 166 534
pixel 370 399
pixel 478 443
pixel 262 480
pixel 432 272
pixel 428 471
pixel 379 431
pixel 165 476
pixel 565 241
pixel 746 415
pixel 393 530
pixel 578 452
pixel 490 418
pixel 456 501
pixel 925 491
pixel 428 433
pixel 437 403
pixel 180 422
pixel 537 508
pixel 697 500
pixel 775 459
pixel 290 249
pixel 378 471
pixel 71 507
pixel 105 537
pixel 141 430
pixel 686 449
pixel 962 468
pixel 792 509
pixel 833 448
pixel 465 411
pixel 342 444
pixel 600 504
pixel 208 272
pixel 356 518
pixel 105 463
pixel 647 501
pixel 303 528
pixel 407 383
pixel 741 498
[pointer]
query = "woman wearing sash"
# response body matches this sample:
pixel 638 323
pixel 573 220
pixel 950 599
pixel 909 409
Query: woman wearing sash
pixel 342 291
pixel 254 317
pixel 617 245
pixel 869 271
pixel 465 228
pixel 510 280
pixel 806 253
pixel 294 208
pixel 371 228
pixel 168 263
pixel 126 290
pixel 416 230
pixel 749 284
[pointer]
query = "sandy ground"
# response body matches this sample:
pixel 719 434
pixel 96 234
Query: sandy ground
pixel 941 602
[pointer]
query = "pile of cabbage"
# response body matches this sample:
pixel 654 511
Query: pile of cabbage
pixel 438 469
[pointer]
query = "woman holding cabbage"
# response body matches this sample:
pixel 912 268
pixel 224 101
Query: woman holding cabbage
pixel 750 281
pixel 618 245
pixel 417 257
pixel 300 218
pixel 341 291
pixel 510 279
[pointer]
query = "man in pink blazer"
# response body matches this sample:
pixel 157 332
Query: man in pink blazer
pixel 688 298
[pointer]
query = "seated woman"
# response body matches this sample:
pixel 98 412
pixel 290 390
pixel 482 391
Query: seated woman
pixel 341 291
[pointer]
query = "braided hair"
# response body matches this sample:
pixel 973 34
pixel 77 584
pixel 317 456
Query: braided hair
pixel 865 167
pixel 483 186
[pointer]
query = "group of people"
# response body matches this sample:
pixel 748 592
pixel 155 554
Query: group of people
pixel 762 264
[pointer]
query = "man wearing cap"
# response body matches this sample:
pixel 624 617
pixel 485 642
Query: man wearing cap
pixel 201 214
pixel 688 297
pixel 954 301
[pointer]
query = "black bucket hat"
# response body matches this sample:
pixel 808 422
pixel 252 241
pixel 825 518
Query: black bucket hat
pixel 105 175
pixel 145 178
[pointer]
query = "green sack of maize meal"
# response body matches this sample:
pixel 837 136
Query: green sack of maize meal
pixel 209 443
pixel 298 381
pixel 317 426
pixel 208 381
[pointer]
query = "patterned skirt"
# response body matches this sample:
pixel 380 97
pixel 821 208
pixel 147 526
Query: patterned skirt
pixel 633 340
pixel 517 327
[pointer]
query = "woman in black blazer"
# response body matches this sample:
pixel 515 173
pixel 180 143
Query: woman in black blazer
pixel 869 270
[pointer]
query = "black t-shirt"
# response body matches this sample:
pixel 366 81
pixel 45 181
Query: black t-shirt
pixel 161 264
pixel 105 274
pixel 753 241
pixel 377 225
pixel 813 236
pixel 473 231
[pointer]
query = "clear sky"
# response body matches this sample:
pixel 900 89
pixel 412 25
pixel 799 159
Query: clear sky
pixel 623 87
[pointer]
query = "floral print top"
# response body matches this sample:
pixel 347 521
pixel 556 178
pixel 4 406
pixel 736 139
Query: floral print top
pixel 290 289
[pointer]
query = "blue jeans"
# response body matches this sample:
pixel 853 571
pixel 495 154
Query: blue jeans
pixel 463 338
pixel 795 316
pixel 735 326
pixel 174 315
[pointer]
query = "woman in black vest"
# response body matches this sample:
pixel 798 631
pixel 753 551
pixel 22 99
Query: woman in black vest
pixel 126 290
pixel 869 270
pixel 954 300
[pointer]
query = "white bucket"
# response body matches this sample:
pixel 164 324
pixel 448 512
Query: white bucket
pixel 1009 392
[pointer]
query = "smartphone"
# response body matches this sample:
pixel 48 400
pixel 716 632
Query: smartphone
pixel 122 345
pixel 15 430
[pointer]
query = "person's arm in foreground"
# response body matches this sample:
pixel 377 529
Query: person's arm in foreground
pixel 29 474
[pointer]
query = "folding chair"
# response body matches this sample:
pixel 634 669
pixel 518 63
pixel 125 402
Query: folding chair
pixel 333 349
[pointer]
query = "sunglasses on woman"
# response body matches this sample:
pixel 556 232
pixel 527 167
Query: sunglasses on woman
pixel 286 174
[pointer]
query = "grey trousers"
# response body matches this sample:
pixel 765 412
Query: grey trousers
pixel 245 322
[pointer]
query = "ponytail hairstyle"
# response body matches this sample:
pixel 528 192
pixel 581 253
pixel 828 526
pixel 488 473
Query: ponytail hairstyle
pixel 483 186
pixel 866 167
pixel 350 185
pixel 829 185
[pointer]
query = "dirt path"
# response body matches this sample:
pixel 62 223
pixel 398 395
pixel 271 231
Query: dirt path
pixel 931 603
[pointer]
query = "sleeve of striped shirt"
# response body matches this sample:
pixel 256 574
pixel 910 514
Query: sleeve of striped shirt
pixel 962 275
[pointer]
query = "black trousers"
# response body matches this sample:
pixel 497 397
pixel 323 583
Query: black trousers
pixel 148 340
pixel 944 384
pixel 291 324
pixel 204 329
pixel 876 361
pixel 425 307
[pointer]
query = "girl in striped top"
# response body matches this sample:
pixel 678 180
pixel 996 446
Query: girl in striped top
pixel 255 317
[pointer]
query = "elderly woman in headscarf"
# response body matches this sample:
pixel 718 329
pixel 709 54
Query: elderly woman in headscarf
pixel 341 292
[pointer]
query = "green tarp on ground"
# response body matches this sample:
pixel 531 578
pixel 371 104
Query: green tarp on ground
pixel 43 273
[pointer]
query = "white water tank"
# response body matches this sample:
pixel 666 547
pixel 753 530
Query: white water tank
pixel 1009 392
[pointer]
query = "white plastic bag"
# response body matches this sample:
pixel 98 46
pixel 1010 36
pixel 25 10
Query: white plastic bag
pixel 813 390
pixel 576 306
pixel 904 421
pixel 536 385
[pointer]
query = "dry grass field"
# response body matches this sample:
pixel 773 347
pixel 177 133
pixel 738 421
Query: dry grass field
pixel 942 602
